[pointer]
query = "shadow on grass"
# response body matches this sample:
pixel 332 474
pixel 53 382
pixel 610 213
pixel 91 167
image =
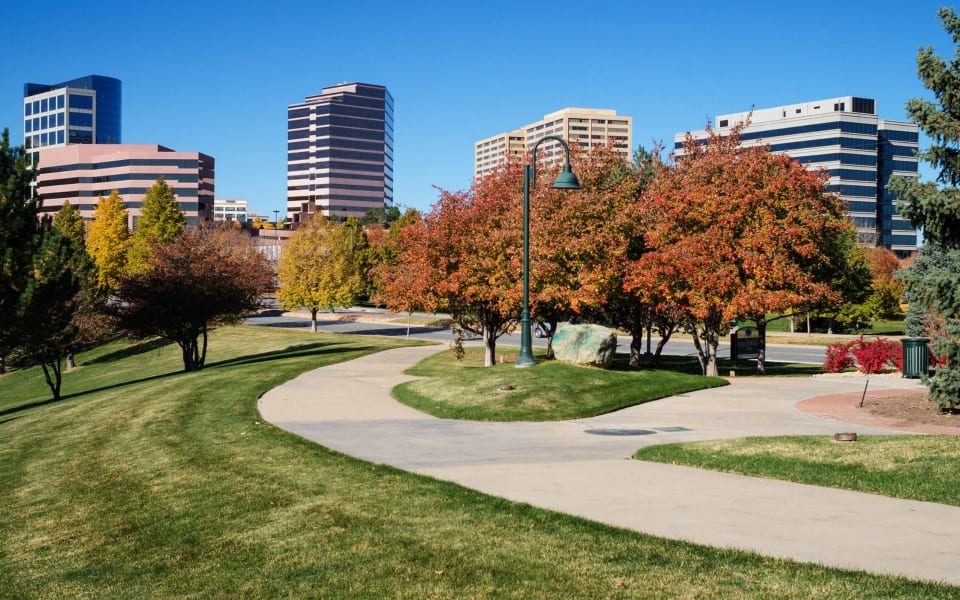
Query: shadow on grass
pixel 298 351
pixel 690 365
pixel 132 350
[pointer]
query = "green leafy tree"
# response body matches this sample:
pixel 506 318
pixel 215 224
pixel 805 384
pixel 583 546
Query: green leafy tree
pixel 18 225
pixel 933 283
pixel 70 223
pixel 161 220
pixel 319 267
pixel 62 276
pixel 198 281
pixel 108 240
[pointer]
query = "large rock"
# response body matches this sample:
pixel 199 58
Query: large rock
pixel 592 345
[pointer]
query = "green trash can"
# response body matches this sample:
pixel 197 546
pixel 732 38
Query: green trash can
pixel 916 357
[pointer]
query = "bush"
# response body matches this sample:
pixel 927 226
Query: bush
pixel 839 357
pixel 870 357
pixel 878 355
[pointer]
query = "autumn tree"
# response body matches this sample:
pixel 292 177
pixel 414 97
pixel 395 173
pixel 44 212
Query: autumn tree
pixel 581 241
pixel 319 267
pixel 463 257
pixel 198 281
pixel 161 220
pixel 108 240
pixel 933 282
pixel 18 225
pixel 736 232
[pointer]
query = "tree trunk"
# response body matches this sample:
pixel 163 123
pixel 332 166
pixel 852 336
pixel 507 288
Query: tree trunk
pixel 762 347
pixel 808 324
pixel 313 319
pixel 490 343
pixel 551 330
pixel 54 380
pixel 71 363
pixel 664 338
pixel 701 356
pixel 636 345
pixel 3 364
pixel 203 353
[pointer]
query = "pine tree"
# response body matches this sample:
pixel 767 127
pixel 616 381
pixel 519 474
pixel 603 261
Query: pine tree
pixel 933 284
pixel 18 226
pixel 161 220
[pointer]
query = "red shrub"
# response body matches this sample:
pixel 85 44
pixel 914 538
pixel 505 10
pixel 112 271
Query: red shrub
pixel 838 357
pixel 878 355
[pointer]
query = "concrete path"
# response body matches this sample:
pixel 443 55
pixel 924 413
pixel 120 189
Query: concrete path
pixel 582 467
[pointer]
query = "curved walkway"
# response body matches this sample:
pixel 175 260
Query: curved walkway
pixel 582 466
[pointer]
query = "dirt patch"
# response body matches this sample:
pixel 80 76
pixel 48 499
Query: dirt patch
pixel 904 410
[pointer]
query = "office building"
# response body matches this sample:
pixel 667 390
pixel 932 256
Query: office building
pixel 858 150
pixel 586 127
pixel 80 111
pixel 82 173
pixel 340 152
pixel 230 210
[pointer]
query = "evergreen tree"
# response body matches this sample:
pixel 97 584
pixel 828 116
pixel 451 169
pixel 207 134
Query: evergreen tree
pixel 933 283
pixel 61 275
pixel 70 223
pixel 108 241
pixel 18 226
pixel 160 221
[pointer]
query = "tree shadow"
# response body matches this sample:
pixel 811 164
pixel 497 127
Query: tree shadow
pixel 298 351
pixel 131 350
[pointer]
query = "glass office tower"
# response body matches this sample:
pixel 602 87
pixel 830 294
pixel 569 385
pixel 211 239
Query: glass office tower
pixel 80 111
pixel 857 150
pixel 340 152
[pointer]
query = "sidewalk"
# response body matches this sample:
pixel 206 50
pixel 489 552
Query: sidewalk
pixel 571 467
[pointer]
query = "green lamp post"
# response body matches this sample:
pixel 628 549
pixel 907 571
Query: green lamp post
pixel 566 180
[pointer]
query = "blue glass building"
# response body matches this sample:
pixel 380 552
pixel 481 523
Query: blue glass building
pixel 860 152
pixel 340 152
pixel 86 110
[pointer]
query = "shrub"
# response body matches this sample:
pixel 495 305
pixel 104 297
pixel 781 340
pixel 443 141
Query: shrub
pixel 878 355
pixel 839 357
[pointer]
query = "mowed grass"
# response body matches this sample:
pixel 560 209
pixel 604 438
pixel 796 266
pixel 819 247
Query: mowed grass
pixel 160 484
pixel 911 466
pixel 551 390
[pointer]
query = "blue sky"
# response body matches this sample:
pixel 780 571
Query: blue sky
pixel 217 77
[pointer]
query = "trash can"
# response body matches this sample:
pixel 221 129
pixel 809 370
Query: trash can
pixel 916 357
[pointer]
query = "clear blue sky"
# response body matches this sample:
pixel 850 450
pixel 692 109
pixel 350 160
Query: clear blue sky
pixel 217 77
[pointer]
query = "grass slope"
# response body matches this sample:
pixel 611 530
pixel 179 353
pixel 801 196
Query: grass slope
pixel 913 467
pixel 155 483
pixel 552 390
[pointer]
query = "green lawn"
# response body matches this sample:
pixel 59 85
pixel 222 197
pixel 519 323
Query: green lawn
pixel 913 467
pixel 552 390
pixel 148 482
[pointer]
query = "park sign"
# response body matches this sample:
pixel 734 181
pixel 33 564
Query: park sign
pixel 745 343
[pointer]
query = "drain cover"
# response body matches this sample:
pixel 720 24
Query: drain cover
pixel 620 431
pixel 672 429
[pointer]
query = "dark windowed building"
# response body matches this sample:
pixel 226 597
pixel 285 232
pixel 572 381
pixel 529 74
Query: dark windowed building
pixel 859 151
pixel 340 152
pixel 80 111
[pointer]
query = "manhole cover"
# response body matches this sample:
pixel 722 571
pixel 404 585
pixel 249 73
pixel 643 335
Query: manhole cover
pixel 620 431
pixel 672 429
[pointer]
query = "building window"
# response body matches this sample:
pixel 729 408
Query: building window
pixel 724 122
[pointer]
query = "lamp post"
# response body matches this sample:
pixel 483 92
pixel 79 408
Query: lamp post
pixel 566 180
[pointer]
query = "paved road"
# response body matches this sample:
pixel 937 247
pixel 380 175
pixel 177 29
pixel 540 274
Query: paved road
pixel 676 347
pixel 581 466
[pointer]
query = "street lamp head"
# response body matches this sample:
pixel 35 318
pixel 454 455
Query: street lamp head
pixel 566 180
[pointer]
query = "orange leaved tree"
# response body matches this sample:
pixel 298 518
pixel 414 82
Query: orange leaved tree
pixel 463 257
pixel 736 233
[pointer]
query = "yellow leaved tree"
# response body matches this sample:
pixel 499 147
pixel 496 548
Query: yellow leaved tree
pixel 319 269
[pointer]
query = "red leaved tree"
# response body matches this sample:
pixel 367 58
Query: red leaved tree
pixel 737 233
pixel 463 257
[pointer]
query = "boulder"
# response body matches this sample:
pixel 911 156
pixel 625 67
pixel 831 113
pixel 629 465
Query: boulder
pixel 592 345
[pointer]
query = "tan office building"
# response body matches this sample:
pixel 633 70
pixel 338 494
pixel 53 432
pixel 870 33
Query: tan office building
pixel 587 127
